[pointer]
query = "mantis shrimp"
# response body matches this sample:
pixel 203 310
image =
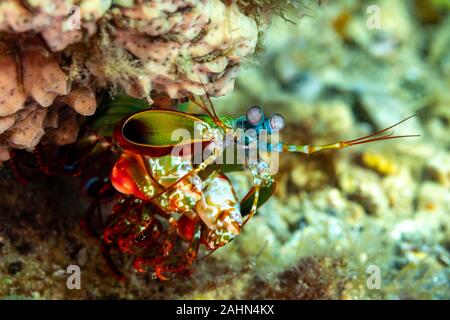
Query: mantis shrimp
pixel 172 197
pixel 164 181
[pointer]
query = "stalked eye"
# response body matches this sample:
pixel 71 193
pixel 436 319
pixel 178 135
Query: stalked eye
pixel 254 115
pixel 276 122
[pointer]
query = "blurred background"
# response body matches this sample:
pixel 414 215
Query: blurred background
pixel 335 74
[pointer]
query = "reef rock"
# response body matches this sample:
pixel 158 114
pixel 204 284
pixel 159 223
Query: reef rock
pixel 63 52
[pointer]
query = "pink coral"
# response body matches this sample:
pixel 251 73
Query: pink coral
pixel 59 54
pixel 33 83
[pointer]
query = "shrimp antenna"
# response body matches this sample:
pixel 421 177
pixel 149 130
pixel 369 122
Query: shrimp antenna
pixel 207 104
pixel 383 134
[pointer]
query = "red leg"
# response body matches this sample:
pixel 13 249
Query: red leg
pixel 111 265
pixel 15 168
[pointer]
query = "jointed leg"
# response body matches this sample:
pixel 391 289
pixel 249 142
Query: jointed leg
pixel 15 167
pixel 86 221
pixel 105 248
pixel 202 166
pixel 256 186
pixel 188 257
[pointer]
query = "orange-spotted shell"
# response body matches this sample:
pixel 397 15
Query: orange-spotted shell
pixel 144 177
pixel 219 209
pixel 216 204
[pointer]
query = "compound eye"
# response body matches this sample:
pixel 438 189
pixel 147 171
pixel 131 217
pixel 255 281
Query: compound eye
pixel 276 122
pixel 254 115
